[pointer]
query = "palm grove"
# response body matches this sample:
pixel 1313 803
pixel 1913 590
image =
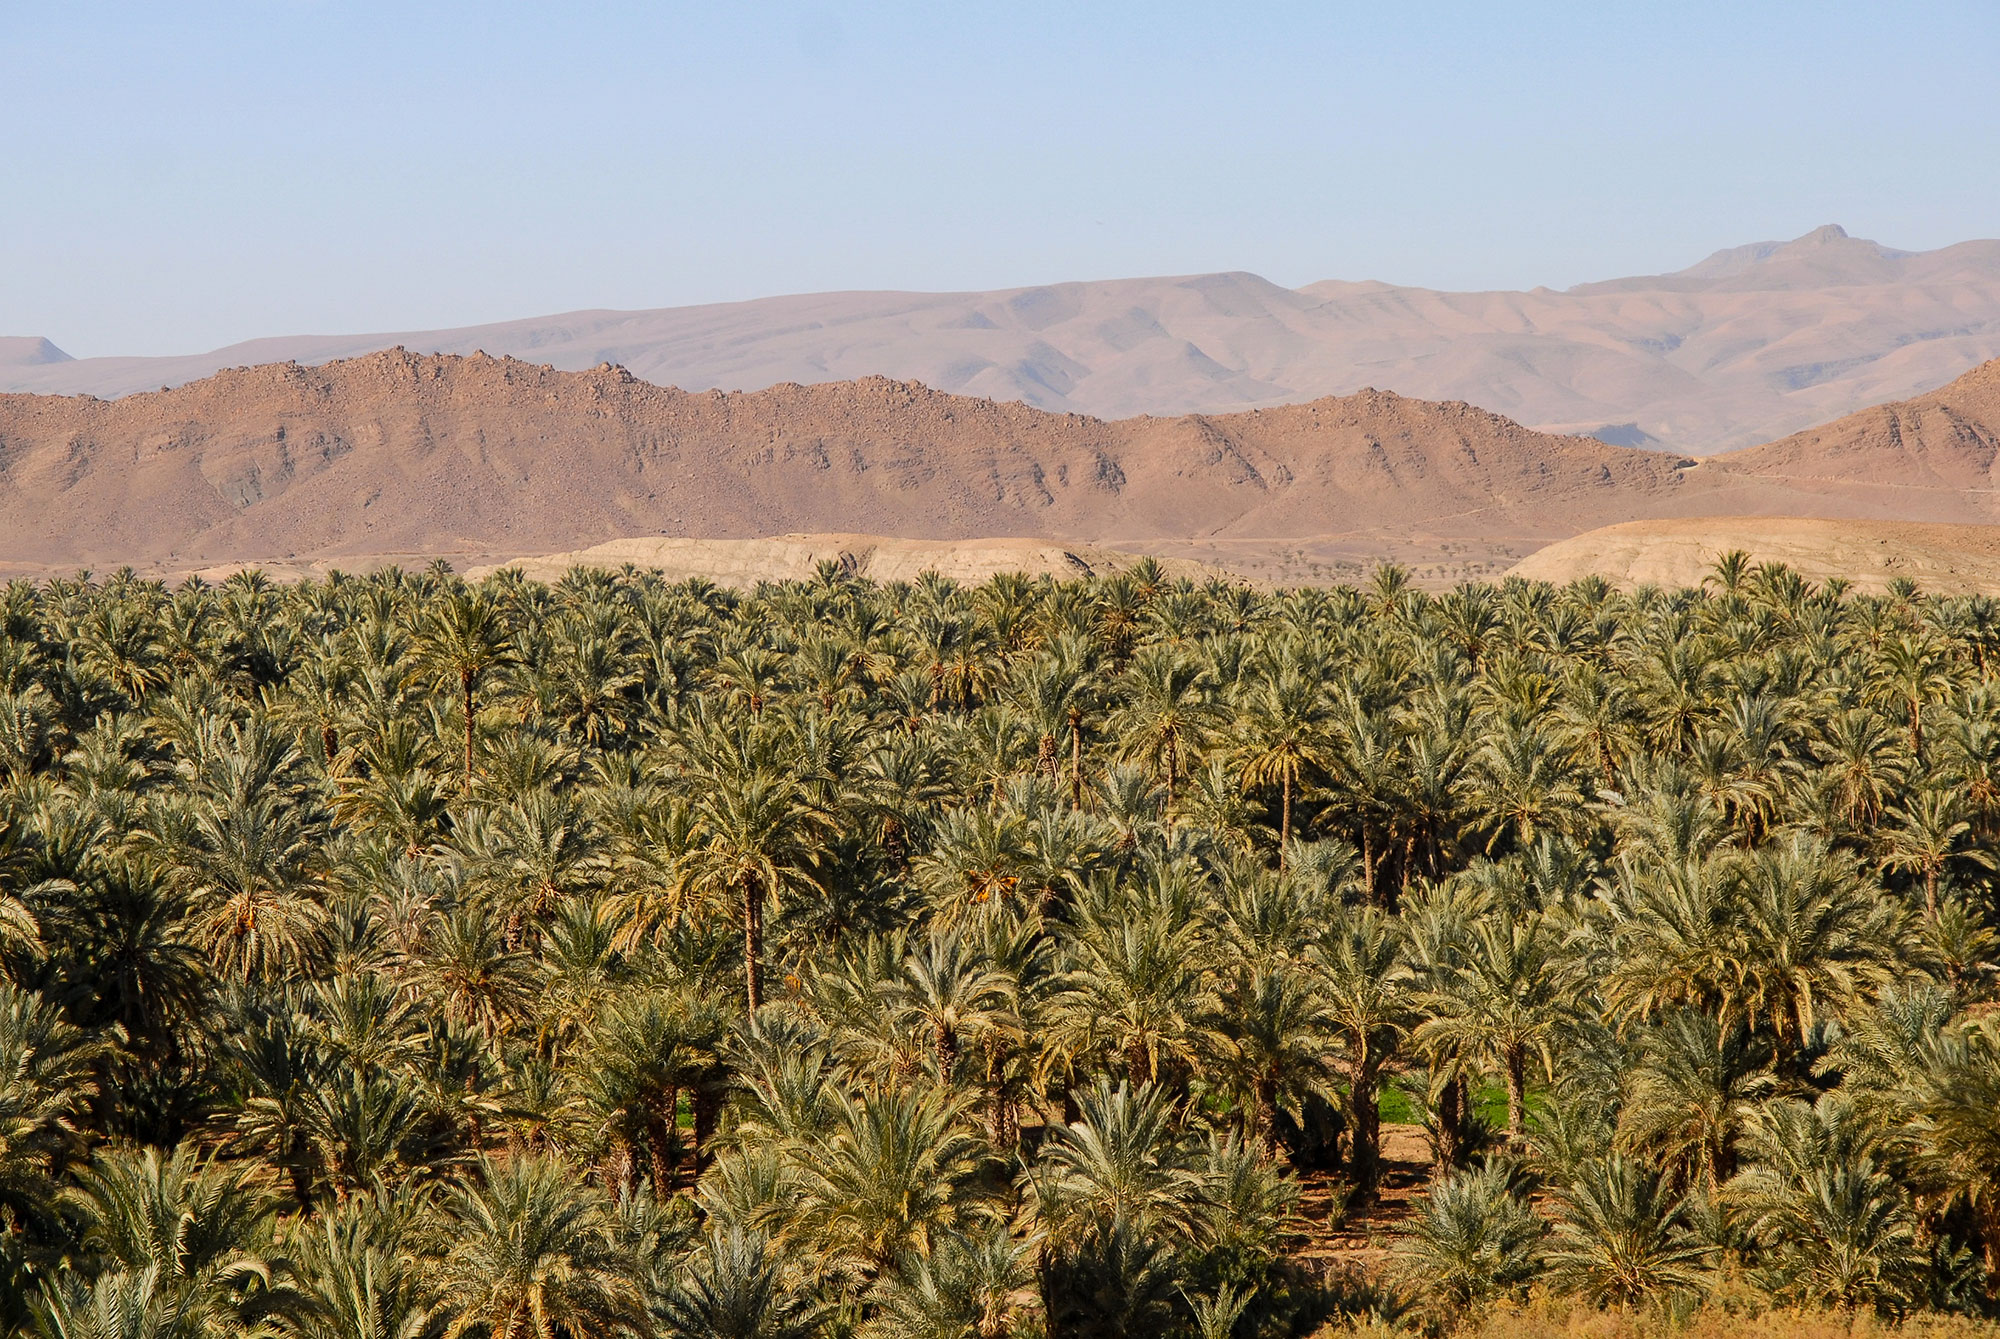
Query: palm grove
pixel 396 956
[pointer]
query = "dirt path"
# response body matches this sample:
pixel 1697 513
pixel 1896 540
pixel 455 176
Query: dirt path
pixel 1359 1240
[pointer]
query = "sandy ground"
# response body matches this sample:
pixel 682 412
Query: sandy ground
pixel 745 562
pixel 1941 559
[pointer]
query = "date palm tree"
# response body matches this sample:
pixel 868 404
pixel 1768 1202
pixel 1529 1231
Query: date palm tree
pixel 757 837
pixel 199 1228
pixel 1927 836
pixel 734 1286
pixel 1621 1239
pixel 1165 718
pixel 1688 1096
pixel 1286 724
pixel 898 1171
pixel 1369 1004
pixel 1138 994
pixel 1505 1000
pixel 461 638
pixel 528 1248
pixel 1471 1240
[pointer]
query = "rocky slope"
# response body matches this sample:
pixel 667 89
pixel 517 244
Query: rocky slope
pixel 481 458
pixel 400 457
pixel 1749 344
pixel 1935 456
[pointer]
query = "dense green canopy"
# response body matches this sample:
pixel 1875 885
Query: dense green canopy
pixel 394 956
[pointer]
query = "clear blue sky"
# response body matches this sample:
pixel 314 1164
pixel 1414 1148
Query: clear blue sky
pixel 179 175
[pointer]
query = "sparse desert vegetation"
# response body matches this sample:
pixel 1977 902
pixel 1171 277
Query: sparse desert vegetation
pixel 404 956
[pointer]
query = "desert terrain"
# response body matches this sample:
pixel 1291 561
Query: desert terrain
pixel 400 457
pixel 481 460
pixel 1868 555
pixel 1752 343
pixel 746 562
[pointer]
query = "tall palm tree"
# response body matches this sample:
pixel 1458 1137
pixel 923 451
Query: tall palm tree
pixel 1928 835
pixel 899 1170
pixel 1505 1000
pixel 1368 1002
pixel 954 995
pixel 758 836
pixel 1285 727
pixel 462 637
pixel 1283 1036
pixel 1166 717
pixel 1139 992
pixel 1121 1162
pixel 1688 1096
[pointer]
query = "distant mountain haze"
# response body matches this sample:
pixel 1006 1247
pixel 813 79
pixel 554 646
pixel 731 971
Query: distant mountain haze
pixel 1750 344
pixel 402 456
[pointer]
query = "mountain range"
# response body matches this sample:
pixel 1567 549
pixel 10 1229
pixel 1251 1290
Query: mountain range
pixel 399 455
pixel 1750 344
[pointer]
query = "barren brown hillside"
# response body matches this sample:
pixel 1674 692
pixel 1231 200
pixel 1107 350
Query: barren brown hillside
pixel 483 458
pixel 1749 344
pixel 403 456
pixel 1937 454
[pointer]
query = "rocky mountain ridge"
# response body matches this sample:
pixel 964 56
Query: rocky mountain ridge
pixel 1749 344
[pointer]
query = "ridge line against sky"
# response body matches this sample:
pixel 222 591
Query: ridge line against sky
pixel 196 175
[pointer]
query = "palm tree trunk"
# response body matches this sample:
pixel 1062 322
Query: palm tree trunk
pixel 1367 860
pixel 1285 818
pixel 1517 1093
pixel 465 683
pixel 1138 1062
pixel 1930 891
pixel 661 1138
pixel 301 1177
pixel 1173 765
pixel 620 1170
pixel 705 1105
pixel 1450 1117
pixel 1267 1113
pixel 1367 1139
pixel 1075 765
pixel 1989 1232
pixel 753 943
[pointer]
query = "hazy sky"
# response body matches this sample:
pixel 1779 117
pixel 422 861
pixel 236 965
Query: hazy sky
pixel 176 176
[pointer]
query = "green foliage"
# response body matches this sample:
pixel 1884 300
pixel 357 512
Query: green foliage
pixel 400 957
